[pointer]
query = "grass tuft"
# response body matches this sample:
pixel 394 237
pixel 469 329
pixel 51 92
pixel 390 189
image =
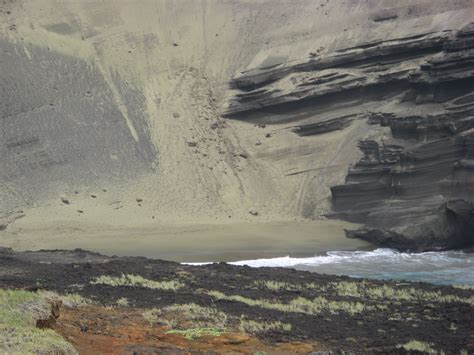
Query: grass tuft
pixel 252 327
pixel 297 305
pixel 416 345
pixel 130 280
pixel 195 333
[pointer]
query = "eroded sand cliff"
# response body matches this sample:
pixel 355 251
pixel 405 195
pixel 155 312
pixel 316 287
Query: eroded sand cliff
pixel 129 113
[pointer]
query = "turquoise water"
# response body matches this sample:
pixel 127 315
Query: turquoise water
pixel 442 268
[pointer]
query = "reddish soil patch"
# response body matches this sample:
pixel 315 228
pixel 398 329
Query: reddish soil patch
pixel 105 330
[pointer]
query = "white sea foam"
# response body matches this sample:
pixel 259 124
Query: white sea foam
pixel 450 267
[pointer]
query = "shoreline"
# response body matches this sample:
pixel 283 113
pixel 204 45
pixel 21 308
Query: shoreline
pixel 189 243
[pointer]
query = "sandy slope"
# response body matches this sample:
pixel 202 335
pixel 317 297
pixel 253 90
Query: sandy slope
pixel 161 70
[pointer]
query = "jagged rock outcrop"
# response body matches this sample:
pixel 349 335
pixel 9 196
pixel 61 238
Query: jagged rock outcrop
pixel 414 186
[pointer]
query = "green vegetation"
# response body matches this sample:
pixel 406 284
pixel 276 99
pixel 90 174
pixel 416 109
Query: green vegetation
pixel 287 286
pixel 386 292
pixel 195 333
pixel 253 327
pixel 298 305
pixel 137 281
pixel 123 302
pixel 72 300
pixel 195 316
pixel 193 321
pixel 415 345
pixel 19 311
pixel 366 290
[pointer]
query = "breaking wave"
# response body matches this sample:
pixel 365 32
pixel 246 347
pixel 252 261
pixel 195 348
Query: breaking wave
pixel 444 268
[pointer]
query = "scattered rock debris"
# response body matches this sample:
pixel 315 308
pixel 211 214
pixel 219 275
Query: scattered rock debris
pixel 253 212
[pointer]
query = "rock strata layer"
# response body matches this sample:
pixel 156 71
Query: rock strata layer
pixel 413 187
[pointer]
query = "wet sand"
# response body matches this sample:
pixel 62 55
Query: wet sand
pixel 189 243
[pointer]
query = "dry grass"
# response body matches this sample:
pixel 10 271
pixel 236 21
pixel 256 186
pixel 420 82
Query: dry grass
pixel 195 333
pixel 298 305
pixel 19 311
pixel 193 321
pixel 385 292
pixel 194 315
pixel 415 345
pixel 122 302
pixel 365 290
pixel 254 327
pixel 130 280
pixel 287 286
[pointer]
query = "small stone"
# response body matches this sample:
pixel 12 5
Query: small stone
pixel 253 212
pixel 191 143
pixel 176 115
pixel 80 211
pixel 139 200
pixel 243 155
pixel 65 200
pixel 105 190
pixel 268 135
pixel 93 196
pixel 175 44
pixel 258 143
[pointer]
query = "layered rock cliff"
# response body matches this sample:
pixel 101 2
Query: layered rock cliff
pixel 111 114
pixel 413 187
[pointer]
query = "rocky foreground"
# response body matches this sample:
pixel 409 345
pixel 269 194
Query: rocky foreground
pixel 139 305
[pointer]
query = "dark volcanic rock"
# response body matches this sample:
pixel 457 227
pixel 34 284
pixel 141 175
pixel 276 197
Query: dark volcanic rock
pixel 413 188
pixel 344 315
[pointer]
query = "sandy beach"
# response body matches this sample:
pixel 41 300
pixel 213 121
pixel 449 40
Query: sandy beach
pixel 188 243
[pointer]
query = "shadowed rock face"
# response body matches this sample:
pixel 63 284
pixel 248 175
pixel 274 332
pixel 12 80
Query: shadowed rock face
pixel 413 187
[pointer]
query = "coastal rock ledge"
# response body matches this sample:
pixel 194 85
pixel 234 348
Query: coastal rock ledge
pixel 413 185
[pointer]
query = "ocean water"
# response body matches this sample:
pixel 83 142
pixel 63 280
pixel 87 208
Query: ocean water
pixel 443 268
